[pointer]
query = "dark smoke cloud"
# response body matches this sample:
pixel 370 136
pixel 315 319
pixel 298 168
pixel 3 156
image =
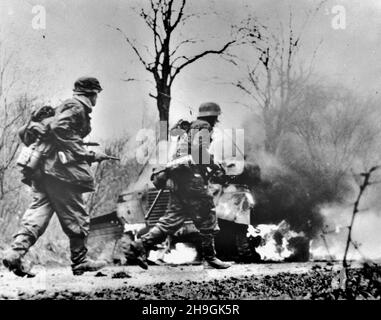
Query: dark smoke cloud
pixel 284 193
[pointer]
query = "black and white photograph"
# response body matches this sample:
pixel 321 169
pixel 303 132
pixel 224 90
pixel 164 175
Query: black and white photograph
pixel 212 151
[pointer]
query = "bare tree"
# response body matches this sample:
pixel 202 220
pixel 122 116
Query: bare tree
pixel 13 111
pixel 15 104
pixel 276 81
pixel 12 116
pixel 163 18
pixel 337 129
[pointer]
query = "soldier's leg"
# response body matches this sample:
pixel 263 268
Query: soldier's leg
pixel 242 243
pixel 205 219
pixel 33 225
pixel 75 221
pixel 168 224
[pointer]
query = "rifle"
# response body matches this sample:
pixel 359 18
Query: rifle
pixel 111 158
pixel 90 144
pixel 96 144
pixel 64 160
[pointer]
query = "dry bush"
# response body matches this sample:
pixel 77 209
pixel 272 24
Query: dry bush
pixel 111 177
pixel 15 106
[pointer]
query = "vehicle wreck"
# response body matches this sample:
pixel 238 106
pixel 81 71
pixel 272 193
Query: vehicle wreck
pixel 243 234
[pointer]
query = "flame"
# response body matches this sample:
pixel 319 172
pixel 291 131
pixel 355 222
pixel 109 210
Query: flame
pixel 182 253
pixel 233 203
pixel 270 249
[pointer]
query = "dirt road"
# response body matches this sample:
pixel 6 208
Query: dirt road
pixel 133 282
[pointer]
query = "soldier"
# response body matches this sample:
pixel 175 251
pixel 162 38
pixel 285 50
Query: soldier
pixel 63 176
pixel 189 194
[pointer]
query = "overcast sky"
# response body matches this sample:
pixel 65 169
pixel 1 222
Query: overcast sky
pixel 78 40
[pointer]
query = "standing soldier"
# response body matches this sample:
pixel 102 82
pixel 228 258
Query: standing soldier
pixel 62 176
pixel 187 175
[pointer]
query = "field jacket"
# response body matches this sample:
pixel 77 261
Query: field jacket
pixel 67 128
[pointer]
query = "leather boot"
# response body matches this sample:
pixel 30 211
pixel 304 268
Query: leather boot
pixel 88 266
pixel 209 253
pixel 138 253
pixel 13 258
pixel 80 262
pixel 243 248
pixel 138 250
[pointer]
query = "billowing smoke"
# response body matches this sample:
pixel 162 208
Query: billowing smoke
pixel 293 188
pixel 311 175
pixel 285 194
pixel 330 245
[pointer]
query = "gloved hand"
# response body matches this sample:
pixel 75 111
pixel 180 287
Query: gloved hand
pixel 218 177
pixel 217 174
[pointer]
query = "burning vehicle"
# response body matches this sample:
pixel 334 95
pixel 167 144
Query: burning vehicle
pixel 244 235
pixel 140 210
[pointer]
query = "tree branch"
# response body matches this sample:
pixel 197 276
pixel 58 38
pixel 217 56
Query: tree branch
pixel 363 186
pixel 178 19
pixel 197 57
pixel 182 43
pixel 145 64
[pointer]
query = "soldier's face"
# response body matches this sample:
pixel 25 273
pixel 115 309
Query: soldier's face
pixel 214 121
pixel 93 99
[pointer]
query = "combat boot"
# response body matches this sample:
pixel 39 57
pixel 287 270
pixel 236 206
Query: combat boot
pixel 13 258
pixel 243 248
pixel 138 254
pixel 209 253
pixel 217 263
pixel 138 250
pixel 16 264
pixel 80 262
pixel 88 266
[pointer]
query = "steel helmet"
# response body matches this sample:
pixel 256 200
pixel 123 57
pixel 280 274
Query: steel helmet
pixel 87 85
pixel 207 109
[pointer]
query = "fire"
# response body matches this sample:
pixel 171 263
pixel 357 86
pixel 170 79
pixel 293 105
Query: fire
pixel 182 253
pixel 275 245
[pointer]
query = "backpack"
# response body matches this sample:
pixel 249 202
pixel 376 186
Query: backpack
pixel 27 133
pixel 30 155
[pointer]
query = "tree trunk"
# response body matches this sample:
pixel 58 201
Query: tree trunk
pixel 163 105
pixel 270 143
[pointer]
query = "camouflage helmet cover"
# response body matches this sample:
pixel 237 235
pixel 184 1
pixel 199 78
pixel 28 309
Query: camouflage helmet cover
pixel 87 85
pixel 207 109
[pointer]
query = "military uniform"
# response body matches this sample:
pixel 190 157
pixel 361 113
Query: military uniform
pixel 59 186
pixel 189 194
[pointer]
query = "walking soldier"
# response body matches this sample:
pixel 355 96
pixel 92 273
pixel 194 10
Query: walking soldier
pixel 60 178
pixel 187 178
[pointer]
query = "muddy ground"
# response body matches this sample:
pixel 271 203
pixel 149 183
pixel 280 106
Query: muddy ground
pixel 242 281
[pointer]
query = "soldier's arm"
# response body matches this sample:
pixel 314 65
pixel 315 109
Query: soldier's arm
pixel 200 143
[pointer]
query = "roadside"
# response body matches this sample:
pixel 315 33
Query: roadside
pixel 159 282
